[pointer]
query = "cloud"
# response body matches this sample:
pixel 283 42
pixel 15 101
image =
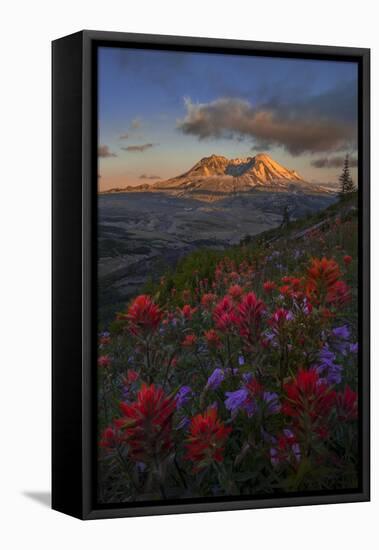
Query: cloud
pixel 104 152
pixel 138 148
pixel 149 177
pixel 333 162
pixel 124 136
pixel 299 128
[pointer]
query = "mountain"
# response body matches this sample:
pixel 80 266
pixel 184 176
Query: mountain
pixel 127 189
pixel 260 170
pixel 217 178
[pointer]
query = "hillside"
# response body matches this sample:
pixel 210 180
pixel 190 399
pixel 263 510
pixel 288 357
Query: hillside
pixel 328 232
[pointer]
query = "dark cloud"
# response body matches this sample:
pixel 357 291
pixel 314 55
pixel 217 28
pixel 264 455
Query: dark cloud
pixel 138 148
pixel 149 177
pixel 302 127
pixel 104 152
pixel 337 104
pixel 261 146
pixel 124 136
pixel 333 162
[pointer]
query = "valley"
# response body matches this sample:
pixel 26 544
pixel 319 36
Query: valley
pixel 141 235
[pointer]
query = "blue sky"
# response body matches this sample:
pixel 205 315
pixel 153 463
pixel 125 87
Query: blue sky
pixel 161 111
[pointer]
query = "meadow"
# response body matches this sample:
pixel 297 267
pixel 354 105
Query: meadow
pixel 237 372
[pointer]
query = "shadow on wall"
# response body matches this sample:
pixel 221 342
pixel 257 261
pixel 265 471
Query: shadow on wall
pixel 41 497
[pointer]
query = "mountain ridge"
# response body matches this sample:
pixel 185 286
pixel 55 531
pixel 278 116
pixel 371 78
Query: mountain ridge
pixel 260 170
pixel 216 177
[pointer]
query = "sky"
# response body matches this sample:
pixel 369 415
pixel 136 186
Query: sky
pixel 160 112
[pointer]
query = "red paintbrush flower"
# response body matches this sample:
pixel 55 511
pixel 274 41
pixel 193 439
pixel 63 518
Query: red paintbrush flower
pixel 224 315
pixel 189 341
pixel 250 312
pixel 322 277
pixel 279 317
pixel 104 340
pixel 143 315
pixel 235 291
pixel 131 376
pixel 208 299
pixel 254 387
pixel 308 400
pixel 347 260
pixel 269 287
pixel 104 361
pixel 339 294
pixel 347 404
pixel 187 311
pixel 285 290
pixel 146 425
pixel 109 438
pixel 207 439
pixel 212 338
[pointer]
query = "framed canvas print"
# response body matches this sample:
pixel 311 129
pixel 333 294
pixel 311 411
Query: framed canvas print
pixel 210 274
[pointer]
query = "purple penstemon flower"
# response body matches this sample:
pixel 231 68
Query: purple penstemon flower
pixel 343 333
pixel 326 357
pixel 141 466
pixel 272 401
pixel 240 400
pixel 341 343
pixel 354 348
pixel 295 446
pixel 247 377
pixel 215 379
pixel 290 316
pixel 270 337
pixel 183 396
pixel 236 399
pixel 331 371
pixel 241 360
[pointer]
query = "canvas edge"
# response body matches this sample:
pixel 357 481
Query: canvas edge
pixel 67 130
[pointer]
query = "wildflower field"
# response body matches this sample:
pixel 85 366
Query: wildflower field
pixel 237 373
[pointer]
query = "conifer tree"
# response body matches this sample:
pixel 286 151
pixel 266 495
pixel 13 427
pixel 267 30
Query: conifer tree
pixel 346 182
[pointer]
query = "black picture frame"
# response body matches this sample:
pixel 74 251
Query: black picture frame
pixel 74 176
